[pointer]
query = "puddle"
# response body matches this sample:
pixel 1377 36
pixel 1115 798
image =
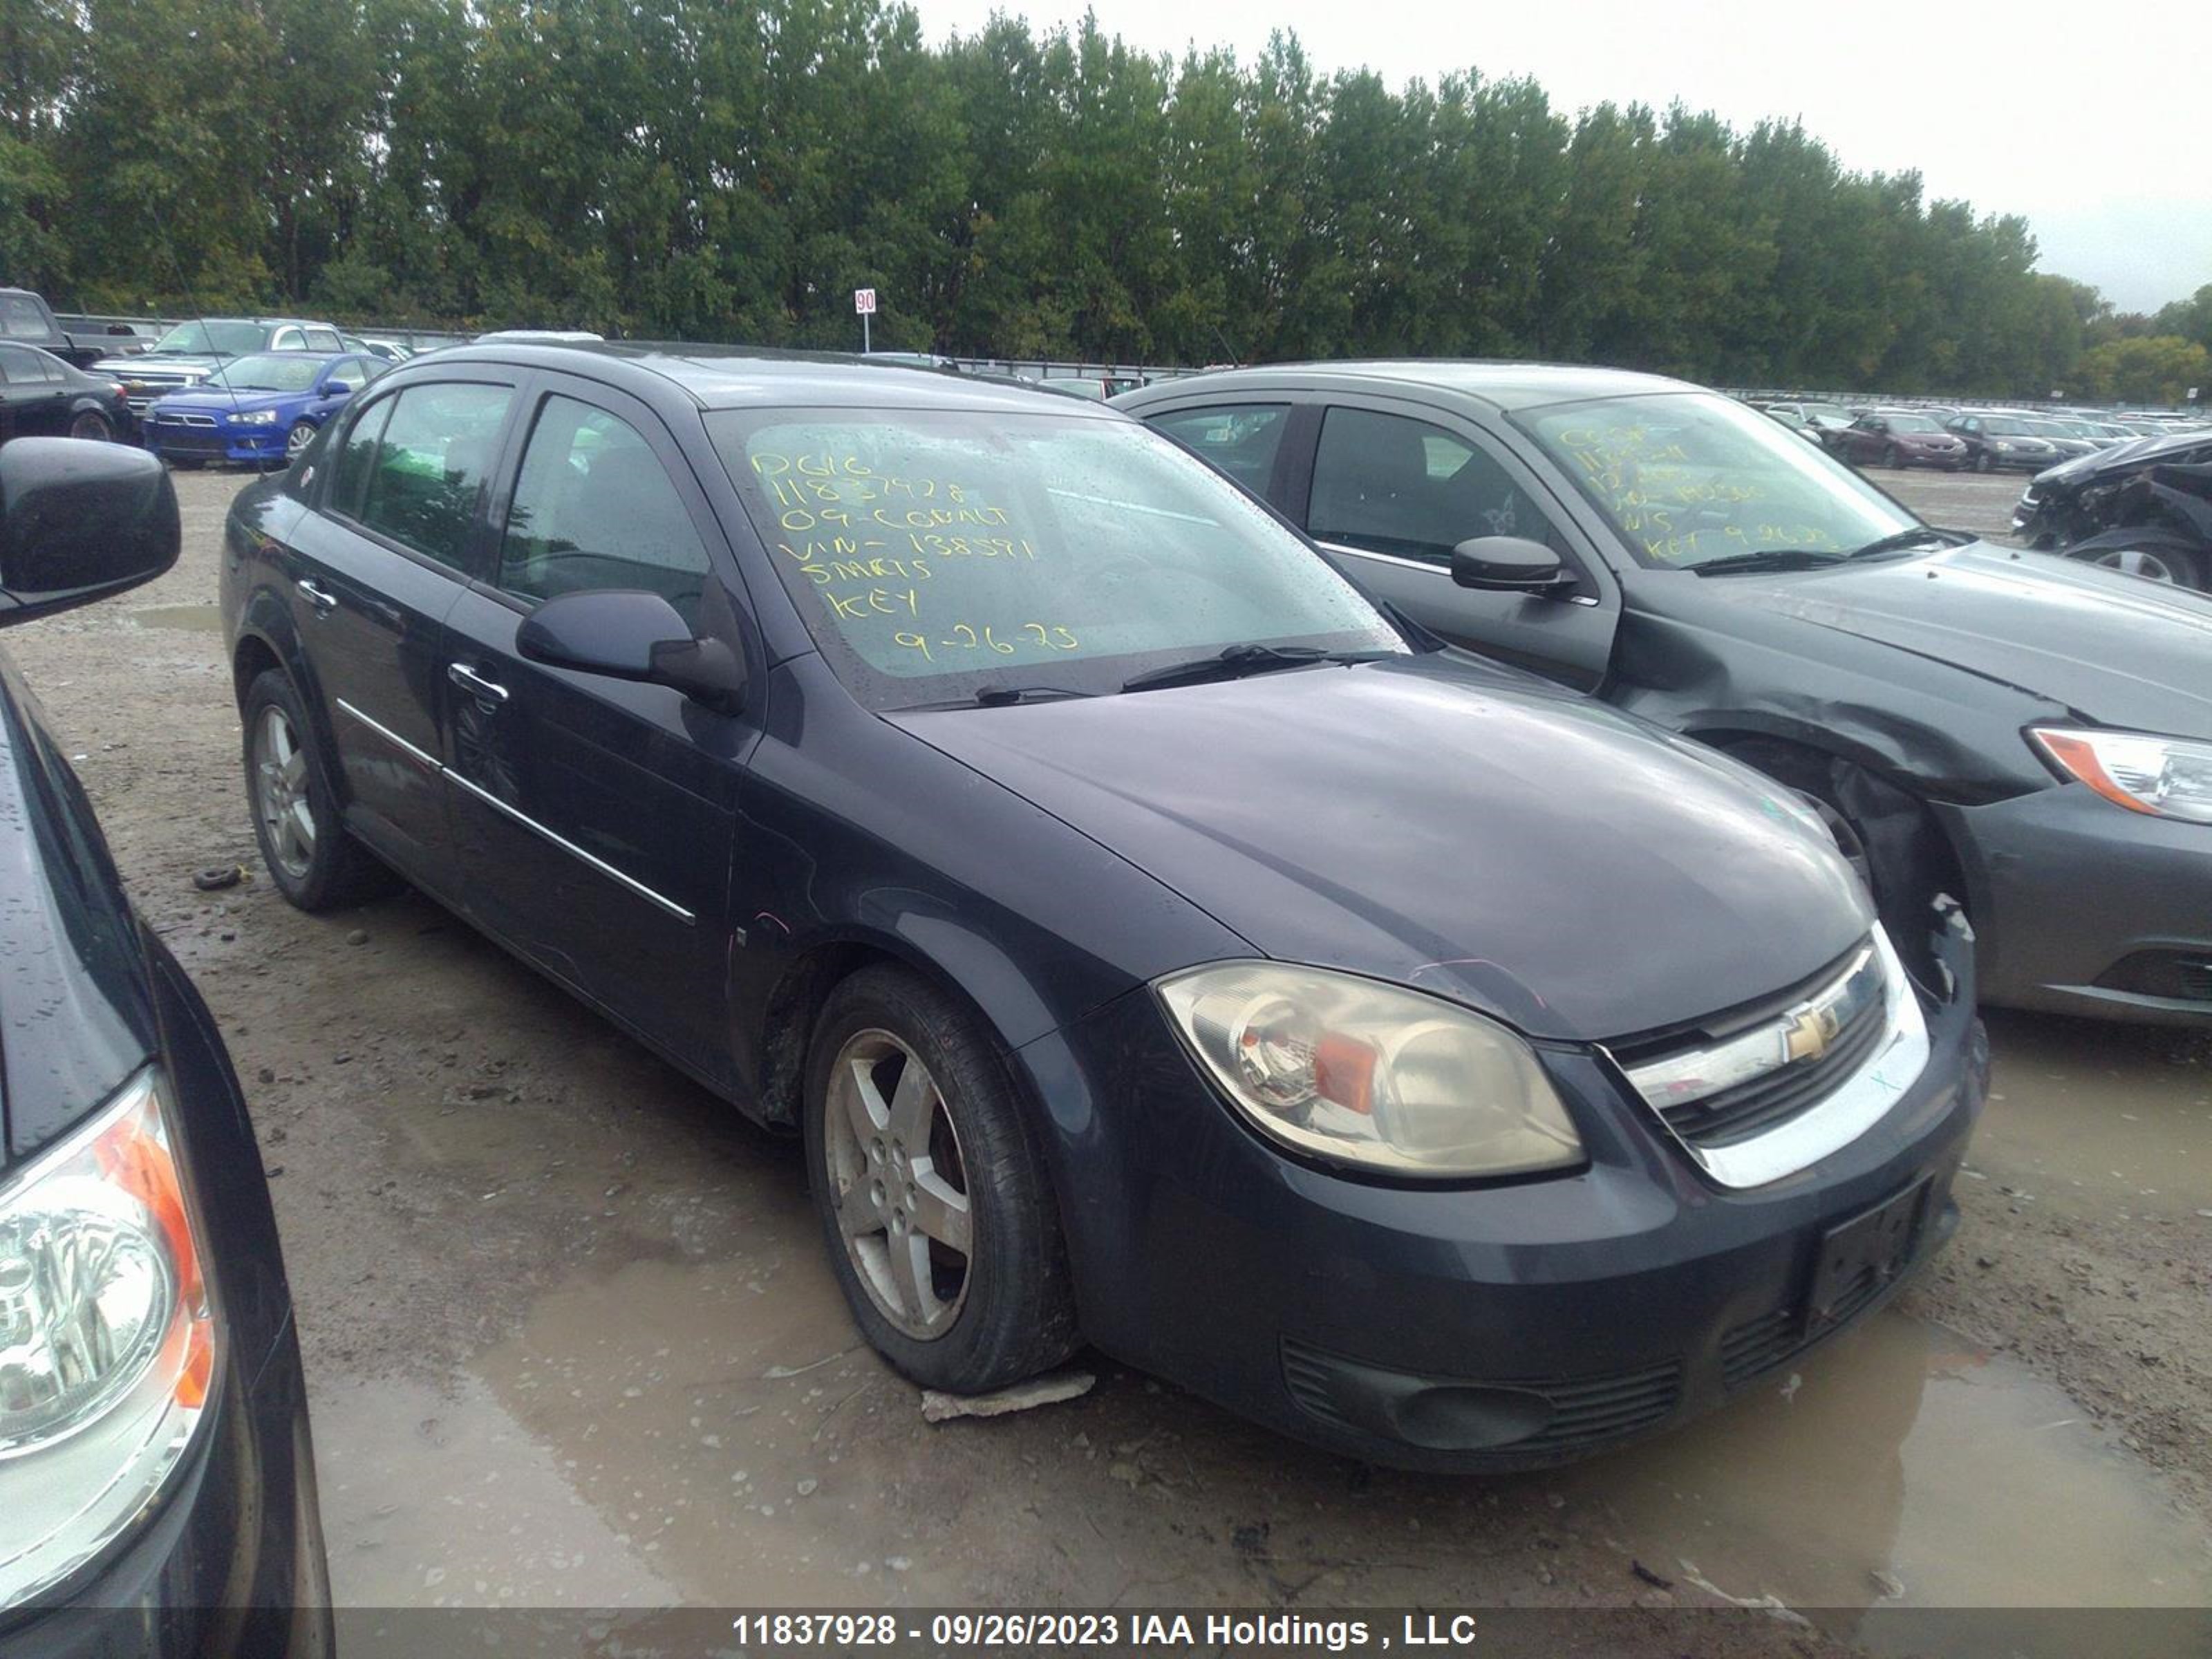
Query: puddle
pixel 1959 1478
pixel 2118 1112
pixel 195 619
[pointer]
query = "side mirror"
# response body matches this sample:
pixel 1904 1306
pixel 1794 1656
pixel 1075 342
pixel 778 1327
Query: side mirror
pixel 629 636
pixel 79 522
pixel 332 389
pixel 1510 564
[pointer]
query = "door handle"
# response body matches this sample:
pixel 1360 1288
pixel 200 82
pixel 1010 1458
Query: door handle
pixel 323 603
pixel 484 691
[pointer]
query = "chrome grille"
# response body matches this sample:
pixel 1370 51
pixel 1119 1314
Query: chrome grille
pixel 1761 1092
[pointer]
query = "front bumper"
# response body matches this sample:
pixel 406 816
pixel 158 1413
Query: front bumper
pixel 243 446
pixel 230 1566
pixel 1506 1326
pixel 2084 908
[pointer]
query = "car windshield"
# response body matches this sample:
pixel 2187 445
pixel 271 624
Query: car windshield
pixel 1690 478
pixel 1911 423
pixel 205 338
pixel 270 372
pixel 936 554
pixel 2007 428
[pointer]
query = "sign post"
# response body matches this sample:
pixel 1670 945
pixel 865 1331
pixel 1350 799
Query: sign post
pixel 863 301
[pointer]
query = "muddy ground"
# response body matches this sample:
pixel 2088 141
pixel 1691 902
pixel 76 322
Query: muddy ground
pixel 571 1340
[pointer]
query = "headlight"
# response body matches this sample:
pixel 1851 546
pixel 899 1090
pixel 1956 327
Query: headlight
pixel 108 1339
pixel 2003 445
pixel 255 418
pixel 1362 1073
pixel 2166 777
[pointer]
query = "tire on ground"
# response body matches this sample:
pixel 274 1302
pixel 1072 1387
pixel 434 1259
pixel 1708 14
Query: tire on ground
pixel 339 872
pixel 1018 1317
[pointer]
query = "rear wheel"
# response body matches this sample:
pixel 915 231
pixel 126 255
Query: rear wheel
pixel 314 862
pixel 933 1193
pixel 91 426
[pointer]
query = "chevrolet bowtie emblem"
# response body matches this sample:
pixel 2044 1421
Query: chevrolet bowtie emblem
pixel 1807 1034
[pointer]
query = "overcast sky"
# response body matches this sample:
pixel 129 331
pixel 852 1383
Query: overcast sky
pixel 2093 121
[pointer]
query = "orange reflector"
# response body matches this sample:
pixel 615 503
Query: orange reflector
pixel 1344 1072
pixel 2079 758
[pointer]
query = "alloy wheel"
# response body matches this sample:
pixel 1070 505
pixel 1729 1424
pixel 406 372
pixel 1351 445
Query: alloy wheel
pixel 280 773
pixel 898 1185
pixel 2140 562
pixel 89 426
pixel 298 439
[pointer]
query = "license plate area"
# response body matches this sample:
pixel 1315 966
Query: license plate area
pixel 1860 1257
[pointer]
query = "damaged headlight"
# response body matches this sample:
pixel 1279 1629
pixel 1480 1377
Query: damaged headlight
pixel 2165 777
pixel 108 1339
pixel 1361 1072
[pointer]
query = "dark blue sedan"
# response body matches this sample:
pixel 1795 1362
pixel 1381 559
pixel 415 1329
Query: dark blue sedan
pixel 260 410
pixel 1152 943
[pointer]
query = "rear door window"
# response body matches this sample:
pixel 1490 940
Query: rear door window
pixel 1240 439
pixel 18 366
pixel 430 463
pixel 1385 484
pixel 594 509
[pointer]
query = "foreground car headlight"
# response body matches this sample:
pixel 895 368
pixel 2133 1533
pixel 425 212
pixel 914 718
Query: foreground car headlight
pixel 108 1339
pixel 255 418
pixel 1361 1072
pixel 2165 777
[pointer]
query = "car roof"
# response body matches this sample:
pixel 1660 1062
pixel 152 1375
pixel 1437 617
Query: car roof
pixel 742 377
pixel 1504 385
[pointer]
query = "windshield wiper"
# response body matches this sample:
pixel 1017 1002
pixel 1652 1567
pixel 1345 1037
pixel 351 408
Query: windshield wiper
pixel 1912 537
pixel 1770 558
pixel 998 697
pixel 1234 662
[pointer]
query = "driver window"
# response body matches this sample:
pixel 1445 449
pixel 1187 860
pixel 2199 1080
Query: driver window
pixel 595 509
pixel 1388 484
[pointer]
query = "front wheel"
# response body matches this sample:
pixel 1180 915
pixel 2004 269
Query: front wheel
pixel 314 862
pixel 301 435
pixel 91 425
pixel 2147 553
pixel 1893 459
pixel 933 1194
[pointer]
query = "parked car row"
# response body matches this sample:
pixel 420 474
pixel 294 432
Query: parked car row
pixel 1985 440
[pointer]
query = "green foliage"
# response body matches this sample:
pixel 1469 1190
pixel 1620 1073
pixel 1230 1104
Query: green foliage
pixel 732 169
pixel 2153 369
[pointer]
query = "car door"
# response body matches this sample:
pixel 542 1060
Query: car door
pixel 374 571
pixel 595 818
pixel 1862 440
pixel 35 394
pixel 1391 488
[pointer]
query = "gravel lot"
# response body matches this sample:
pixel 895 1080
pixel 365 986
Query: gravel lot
pixel 571 1340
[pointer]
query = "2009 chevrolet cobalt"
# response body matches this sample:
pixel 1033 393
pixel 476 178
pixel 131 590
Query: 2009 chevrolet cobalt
pixel 1156 946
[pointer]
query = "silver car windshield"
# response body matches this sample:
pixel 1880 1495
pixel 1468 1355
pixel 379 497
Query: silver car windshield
pixel 938 554
pixel 1690 478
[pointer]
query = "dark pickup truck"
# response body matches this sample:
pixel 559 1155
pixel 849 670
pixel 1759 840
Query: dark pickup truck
pixel 27 320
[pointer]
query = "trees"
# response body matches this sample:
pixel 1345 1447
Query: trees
pixel 732 169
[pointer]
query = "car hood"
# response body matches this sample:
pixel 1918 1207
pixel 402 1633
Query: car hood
pixel 2125 457
pixel 75 1018
pixel 2114 648
pixel 216 401
pixel 146 361
pixel 1429 821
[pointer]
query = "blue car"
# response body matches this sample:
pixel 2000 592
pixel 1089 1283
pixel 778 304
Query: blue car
pixel 258 411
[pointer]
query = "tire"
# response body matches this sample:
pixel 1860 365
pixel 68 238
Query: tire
pixel 1892 459
pixel 90 425
pixel 314 862
pixel 301 435
pixel 949 1159
pixel 1985 462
